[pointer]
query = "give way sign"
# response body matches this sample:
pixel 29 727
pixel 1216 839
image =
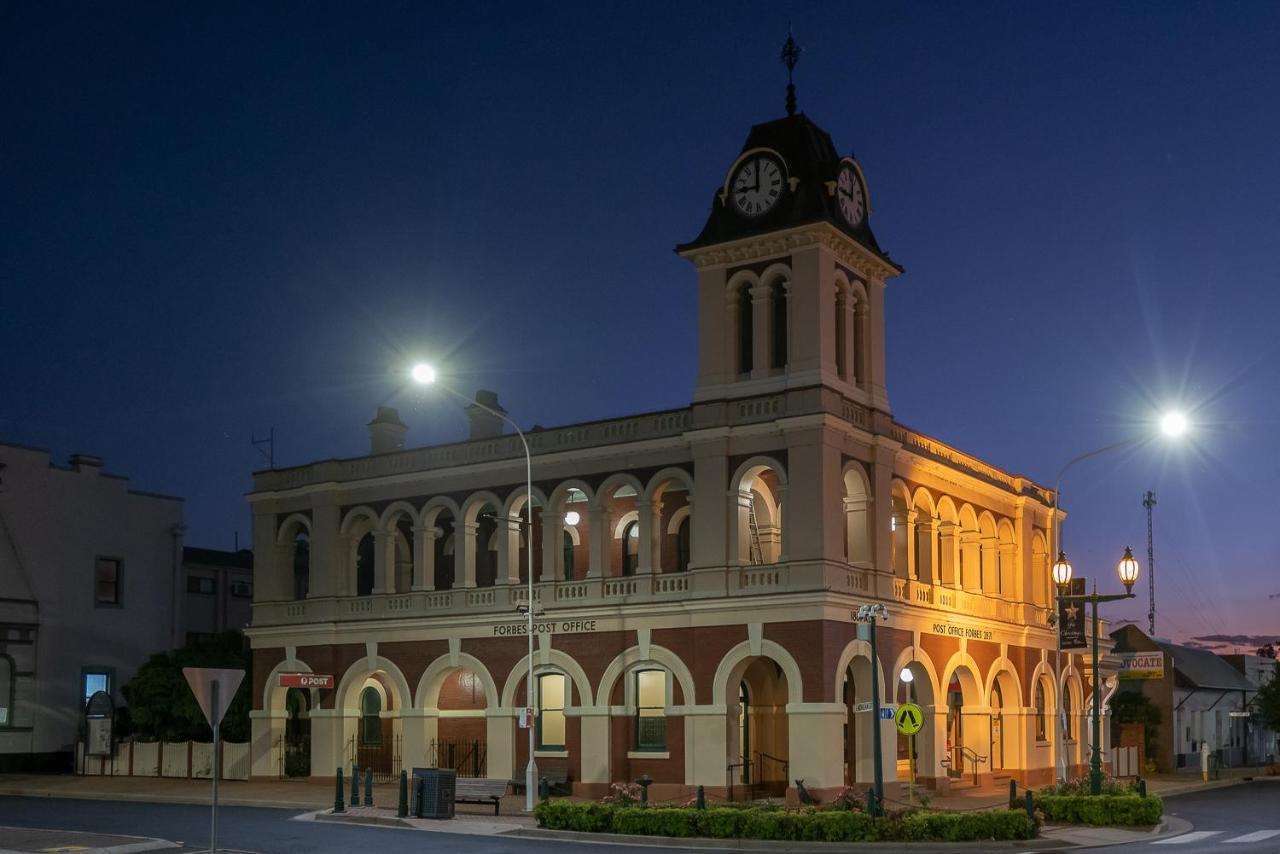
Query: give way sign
pixel 214 689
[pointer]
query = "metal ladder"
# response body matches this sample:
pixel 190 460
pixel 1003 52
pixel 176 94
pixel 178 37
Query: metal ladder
pixel 754 551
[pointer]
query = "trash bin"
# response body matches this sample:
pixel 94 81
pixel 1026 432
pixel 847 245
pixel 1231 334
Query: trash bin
pixel 433 790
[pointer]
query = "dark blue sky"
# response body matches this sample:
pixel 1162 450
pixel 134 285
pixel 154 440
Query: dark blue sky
pixel 218 219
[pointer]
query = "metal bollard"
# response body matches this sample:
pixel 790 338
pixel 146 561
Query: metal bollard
pixel 1013 794
pixel 368 786
pixel 355 785
pixel 337 794
pixel 544 789
pixel 1142 787
pixel 871 802
pixel 1031 807
pixel 702 798
pixel 402 810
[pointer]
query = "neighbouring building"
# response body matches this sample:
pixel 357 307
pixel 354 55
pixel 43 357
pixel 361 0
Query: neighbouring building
pixel 91 584
pixel 219 591
pixel 697 570
pixel 1201 697
pixel 1261 743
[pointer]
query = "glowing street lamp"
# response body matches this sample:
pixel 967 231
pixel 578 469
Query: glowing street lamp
pixel 1061 571
pixel 425 374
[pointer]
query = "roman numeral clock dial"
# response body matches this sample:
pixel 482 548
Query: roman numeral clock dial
pixel 757 185
pixel 850 196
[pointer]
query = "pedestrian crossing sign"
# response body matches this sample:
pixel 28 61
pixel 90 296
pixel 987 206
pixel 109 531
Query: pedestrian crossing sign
pixel 910 718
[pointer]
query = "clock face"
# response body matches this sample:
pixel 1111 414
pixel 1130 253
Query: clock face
pixel 757 185
pixel 853 203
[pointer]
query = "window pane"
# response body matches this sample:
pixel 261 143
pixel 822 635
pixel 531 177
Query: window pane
pixel 95 682
pixel 651 689
pixel 551 729
pixel 551 691
pixel 651 733
pixel 106 581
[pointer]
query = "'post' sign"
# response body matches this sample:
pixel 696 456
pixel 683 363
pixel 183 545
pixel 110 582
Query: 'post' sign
pixel 305 680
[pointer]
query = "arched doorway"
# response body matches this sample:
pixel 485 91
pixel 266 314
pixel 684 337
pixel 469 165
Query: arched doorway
pixel 762 728
pixel 966 752
pixel 997 728
pixel 856 697
pixel 297 734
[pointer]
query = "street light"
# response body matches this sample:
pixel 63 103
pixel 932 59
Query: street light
pixel 1173 424
pixel 1127 569
pixel 869 614
pixel 425 374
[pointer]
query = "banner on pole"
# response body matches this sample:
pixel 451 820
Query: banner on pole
pixel 1071 617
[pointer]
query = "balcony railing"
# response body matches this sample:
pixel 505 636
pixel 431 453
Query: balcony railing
pixel 712 583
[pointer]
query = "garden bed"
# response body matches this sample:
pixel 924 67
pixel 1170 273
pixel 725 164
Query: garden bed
pixel 1119 805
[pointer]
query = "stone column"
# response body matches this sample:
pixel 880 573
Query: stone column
pixel 948 548
pixel 927 553
pixel 970 558
pixel 266 742
pixel 424 557
pixel 500 726
pixel 913 567
pixel 508 550
pixel 464 554
pixel 552 546
pixel 812 731
pixel 882 506
pixel 1007 561
pixel 709 537
pixel 594 725
pixel 989 565
pixel 707 742
pixel 329 550
pixel 649 525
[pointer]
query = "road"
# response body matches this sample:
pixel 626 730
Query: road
pixel 1242 819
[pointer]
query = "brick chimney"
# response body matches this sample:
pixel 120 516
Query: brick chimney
pixel 386 431
pixel 486 425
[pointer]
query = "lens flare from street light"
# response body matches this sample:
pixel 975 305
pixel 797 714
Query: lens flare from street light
pixel 572 518
pixel 423 373
pixel 906 675
pixel 1174 424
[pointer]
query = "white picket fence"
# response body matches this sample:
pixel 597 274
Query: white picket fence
pixel 1124 762
pixel 189 759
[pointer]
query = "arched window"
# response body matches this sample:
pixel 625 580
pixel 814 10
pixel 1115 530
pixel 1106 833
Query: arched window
pixel 1042 725
pixel 568 557
pixel 370 716
pixel 651 710
pixel 746 343
pixel 630 547
pixel 778 295
pixel 682 545
pixel 364 566
pixel 551 703
pixel 301 566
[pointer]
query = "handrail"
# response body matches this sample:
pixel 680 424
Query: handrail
pixel 729 775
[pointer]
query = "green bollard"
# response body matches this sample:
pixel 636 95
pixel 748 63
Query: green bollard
pixel 871 802
pixel 544 789
pixel 702 798
pixel 368 786
pixel 1142 787
pixel 402 810
pixel 337 794
pixel 1031 807
pixel 355 785
pixel 1013 794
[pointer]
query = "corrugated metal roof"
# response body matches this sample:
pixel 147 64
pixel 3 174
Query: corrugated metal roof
pixel 1204 669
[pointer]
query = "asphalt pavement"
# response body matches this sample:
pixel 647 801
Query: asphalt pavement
pixel 1241 819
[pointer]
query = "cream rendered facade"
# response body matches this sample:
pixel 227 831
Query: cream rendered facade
pixel 725 546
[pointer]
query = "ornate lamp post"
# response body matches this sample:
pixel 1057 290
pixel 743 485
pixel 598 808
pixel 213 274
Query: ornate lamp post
pixel 1128 570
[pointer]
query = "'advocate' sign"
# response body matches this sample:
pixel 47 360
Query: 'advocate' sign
pixel 305 680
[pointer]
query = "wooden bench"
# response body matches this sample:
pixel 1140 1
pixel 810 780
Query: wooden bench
pixel 479 790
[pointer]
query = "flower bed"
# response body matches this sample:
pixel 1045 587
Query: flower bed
pixel 764 823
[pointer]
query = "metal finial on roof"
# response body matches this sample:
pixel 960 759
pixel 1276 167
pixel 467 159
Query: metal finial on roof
pixel 790 56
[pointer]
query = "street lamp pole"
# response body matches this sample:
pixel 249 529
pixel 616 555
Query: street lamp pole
pixel 1128 570
pixel 426 375
pixel 869 613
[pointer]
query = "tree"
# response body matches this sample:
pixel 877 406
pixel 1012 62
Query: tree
pixel 161 705
pixel 1268 701
pixel 1267 651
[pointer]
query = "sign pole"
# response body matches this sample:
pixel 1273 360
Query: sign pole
pixel 213 827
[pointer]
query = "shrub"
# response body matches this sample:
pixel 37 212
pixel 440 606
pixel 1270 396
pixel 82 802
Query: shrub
pixel 809 824
pixel 1127 810
pixel 622 795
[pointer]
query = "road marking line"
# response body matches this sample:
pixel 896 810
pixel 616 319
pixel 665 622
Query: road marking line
pixel 1256 836
pixel 1188 837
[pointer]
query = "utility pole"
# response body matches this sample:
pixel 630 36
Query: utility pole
pixel 1149 502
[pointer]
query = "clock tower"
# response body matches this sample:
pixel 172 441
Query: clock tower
pixel 790 277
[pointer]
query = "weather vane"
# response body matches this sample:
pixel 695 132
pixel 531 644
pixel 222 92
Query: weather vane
pixel 790 56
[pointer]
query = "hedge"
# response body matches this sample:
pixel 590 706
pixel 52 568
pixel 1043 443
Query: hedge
pixel 1124 810
pixel 757 823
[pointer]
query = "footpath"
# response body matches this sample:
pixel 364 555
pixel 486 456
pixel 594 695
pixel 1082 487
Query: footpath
pixel 314 802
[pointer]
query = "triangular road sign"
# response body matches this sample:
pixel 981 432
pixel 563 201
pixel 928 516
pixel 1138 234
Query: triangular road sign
pixel 202 679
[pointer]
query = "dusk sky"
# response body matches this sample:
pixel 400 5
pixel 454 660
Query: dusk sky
pixel 218 219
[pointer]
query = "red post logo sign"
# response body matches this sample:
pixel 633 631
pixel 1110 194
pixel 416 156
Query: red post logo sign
pixel 305 680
